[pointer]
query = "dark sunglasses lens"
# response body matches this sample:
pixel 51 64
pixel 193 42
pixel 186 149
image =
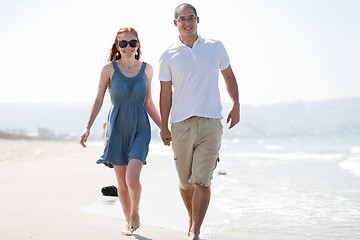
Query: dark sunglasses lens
pixel 133 43
pixel 123 44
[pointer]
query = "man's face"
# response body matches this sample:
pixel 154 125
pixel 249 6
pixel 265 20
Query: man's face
pixel 186 22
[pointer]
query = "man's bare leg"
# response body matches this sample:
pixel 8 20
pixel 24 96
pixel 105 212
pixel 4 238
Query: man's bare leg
pixel 187 196
pixel 200 203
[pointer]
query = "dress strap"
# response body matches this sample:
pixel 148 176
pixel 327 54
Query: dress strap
pixel 143 67
pixel 116 67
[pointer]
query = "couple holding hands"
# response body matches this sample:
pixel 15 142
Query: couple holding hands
pixel 189 92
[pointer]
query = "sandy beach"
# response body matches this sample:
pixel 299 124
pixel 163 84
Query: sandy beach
pixel 44 183
pixel 279 188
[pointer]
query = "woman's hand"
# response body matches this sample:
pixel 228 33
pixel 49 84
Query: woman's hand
pixel 84 137
pixel 165 135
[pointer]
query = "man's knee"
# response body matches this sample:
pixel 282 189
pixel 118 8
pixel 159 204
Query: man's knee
pixel 186 185
pixel 203 182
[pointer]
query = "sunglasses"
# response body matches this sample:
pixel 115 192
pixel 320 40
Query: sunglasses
pixel 132 43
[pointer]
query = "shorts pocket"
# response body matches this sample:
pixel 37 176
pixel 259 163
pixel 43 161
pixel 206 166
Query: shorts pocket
pixel 180 131
pixel 180 128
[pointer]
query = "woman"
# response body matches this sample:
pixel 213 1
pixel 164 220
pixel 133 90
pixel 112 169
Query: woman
pixel 128 127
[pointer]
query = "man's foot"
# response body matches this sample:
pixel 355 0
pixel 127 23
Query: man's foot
pixel 126 231
pixel 193 236
pixel 134 221
pixel 190 225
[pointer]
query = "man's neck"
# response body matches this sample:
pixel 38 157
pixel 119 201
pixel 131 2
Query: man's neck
pixel 188 41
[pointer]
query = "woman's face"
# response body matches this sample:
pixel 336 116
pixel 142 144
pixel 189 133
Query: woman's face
pixel 128 45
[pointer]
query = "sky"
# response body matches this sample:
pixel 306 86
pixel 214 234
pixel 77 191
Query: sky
pixel 280 50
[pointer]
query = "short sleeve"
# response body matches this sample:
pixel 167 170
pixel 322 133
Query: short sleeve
pixel 225 61
pixel 164 69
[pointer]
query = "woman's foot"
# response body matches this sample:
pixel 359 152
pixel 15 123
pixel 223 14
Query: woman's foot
pixel 126 231
pixel 134 221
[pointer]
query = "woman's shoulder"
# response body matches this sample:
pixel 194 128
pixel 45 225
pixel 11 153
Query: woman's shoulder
pixel 148 68
pixel 109 65
pixel 108 68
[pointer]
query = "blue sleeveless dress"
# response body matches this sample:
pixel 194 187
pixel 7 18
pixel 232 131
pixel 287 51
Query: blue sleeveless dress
pixel 128 130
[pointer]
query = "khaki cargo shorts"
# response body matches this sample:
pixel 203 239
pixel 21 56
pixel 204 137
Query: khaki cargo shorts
pixel 196 143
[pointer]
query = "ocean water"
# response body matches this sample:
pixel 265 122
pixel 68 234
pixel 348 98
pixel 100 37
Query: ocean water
pixel 270 188
pixel 288 188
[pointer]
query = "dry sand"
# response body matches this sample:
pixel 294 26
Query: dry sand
pixel 43 184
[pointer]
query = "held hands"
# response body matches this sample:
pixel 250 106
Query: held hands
pixel 234 115
pixel 165 135
pixel 84 137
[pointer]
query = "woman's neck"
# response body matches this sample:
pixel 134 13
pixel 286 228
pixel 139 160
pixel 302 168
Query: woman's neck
pixel 128 62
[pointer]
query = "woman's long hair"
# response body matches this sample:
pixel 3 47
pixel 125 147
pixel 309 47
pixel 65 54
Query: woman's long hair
pixel 114 53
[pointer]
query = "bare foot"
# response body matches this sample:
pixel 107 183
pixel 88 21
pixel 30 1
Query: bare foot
pixel 189 227
pixel 194 236
pixel 190 224
pixel 134 221
pixel 126 231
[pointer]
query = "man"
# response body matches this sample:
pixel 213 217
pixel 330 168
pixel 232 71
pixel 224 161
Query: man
pixel 189 88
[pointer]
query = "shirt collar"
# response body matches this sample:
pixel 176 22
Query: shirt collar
pixel 197 42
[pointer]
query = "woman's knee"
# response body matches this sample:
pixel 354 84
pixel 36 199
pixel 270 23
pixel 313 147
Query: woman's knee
pixel 122 187
pixel 133 171
pixel 132 181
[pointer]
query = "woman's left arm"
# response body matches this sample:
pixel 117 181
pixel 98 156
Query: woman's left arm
pixel 149 104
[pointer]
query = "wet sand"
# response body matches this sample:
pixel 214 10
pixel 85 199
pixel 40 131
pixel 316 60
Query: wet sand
pixel 44 183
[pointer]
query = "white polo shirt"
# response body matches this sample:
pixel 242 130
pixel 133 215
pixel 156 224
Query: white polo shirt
pixel 194 75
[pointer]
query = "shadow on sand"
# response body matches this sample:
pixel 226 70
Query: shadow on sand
pixel 139 237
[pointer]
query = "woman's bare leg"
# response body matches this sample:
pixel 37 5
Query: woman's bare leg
pixel 124 197
pixel 133 182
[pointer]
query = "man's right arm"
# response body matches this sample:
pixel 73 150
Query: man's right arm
pixel 165 106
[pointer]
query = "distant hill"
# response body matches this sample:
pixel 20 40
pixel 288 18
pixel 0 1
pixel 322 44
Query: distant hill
pixel 333 117
pixel 49 119
pixel 12 136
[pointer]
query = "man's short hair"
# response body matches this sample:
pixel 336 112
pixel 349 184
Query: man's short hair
pixel 182 6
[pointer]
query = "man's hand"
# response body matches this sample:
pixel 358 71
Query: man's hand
pixel 232 88
pixel 165 135
pixel 234 115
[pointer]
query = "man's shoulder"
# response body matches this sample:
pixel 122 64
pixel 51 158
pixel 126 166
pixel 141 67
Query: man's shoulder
pixel 213 45
pixel 210 41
